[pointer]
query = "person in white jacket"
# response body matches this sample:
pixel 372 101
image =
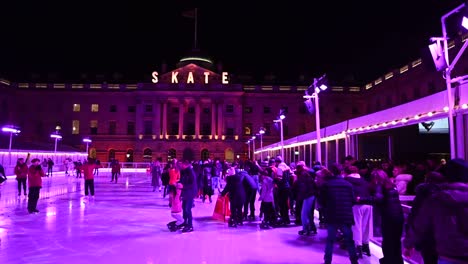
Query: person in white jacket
pixel 402 178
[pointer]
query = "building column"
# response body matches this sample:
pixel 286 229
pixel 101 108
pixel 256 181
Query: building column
pixel 213 120
pixel 220 120
pixel 337 150
pixel 197 119
pixel 164 121
pixel 390 147
pixel 157 124
pixel 326 153
pixel 181 119
pixel 460 135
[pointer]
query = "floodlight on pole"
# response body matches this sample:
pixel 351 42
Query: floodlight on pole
pixel 253 146
pixel 261 132
pixel 248 145
pixel 448 67
pixel 12 130
pixel 319 84
pixel 280 121
pixel 56 137
pixel 87 141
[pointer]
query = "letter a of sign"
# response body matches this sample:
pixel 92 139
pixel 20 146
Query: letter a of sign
pixel 174 77
pixel 190 77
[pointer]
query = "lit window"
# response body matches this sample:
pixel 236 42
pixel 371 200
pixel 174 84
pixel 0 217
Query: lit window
pixel 94 108
pixel 75 127
pixel 76 107
pixel 93 127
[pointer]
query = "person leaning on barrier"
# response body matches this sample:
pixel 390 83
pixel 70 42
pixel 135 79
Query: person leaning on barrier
pixel 443 216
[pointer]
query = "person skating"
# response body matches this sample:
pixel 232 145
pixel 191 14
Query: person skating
pixel 337 199
pixel 21 172
pixel 189 191
pixel 176 209
pixel 35 174
pixel 235 188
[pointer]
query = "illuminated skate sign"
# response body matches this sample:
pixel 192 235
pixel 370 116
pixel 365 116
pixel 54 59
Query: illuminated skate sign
pixel 190 74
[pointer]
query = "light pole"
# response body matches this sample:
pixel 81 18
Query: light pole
pixel 248 144
pixel 12 130
pixel 56 137
pixel 253 146
pixel 280 121
pixel 87 141
pixel 448 70
pixel 261 132
pixel 317 86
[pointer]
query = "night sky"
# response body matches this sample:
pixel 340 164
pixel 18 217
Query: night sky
pixel 351 41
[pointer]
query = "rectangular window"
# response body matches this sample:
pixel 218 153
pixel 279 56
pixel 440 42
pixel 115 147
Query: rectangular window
pixel 206 110
pixel 75 127
pixel 174 129
pixel 266 109
pixel 191 110
pixel 206 129
pixel 112 127
pixel 189 129
pixel 248 129
pixel 93 127
pixel 230 131
pixel 131 109
pixel 175 110
pixel 76 107
pixel 94 108
pixel 130 128
pixel 248 109
pixel 113 109
pixel 148 108
pixel 229 108
pixel 148 127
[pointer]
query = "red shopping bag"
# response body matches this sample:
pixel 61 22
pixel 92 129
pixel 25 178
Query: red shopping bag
pixel 221 208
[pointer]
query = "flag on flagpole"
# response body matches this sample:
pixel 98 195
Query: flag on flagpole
pixel 189 13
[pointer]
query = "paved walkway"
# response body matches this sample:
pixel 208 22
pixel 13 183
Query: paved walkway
pixel 126 223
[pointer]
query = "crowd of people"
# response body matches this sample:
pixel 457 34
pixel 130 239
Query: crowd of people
pixel 348 198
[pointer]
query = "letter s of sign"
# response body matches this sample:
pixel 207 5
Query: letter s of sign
pixel 155 77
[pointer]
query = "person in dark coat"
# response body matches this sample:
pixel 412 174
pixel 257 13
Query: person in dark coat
pixel 443 216
pixel 206 181
pixel 305 189
pixel 337 199
pixel 237 195
pixel 188 194
pixel 385 198
pixel 426 246
pixel 251 188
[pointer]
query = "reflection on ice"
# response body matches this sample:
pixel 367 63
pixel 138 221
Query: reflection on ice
pixel 126 223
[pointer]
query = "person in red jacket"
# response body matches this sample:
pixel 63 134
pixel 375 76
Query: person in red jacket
pixel 21 172
pixel 88 171
pixel 35 174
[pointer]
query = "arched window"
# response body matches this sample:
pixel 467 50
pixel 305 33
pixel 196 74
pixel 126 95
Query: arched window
pixel 205 154
pixel 129 155
pixel 111 154
pixel 171 154
pixel 229 155
pixel 147 154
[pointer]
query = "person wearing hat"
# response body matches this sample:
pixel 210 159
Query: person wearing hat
pixel 443 216
pixel 35 174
